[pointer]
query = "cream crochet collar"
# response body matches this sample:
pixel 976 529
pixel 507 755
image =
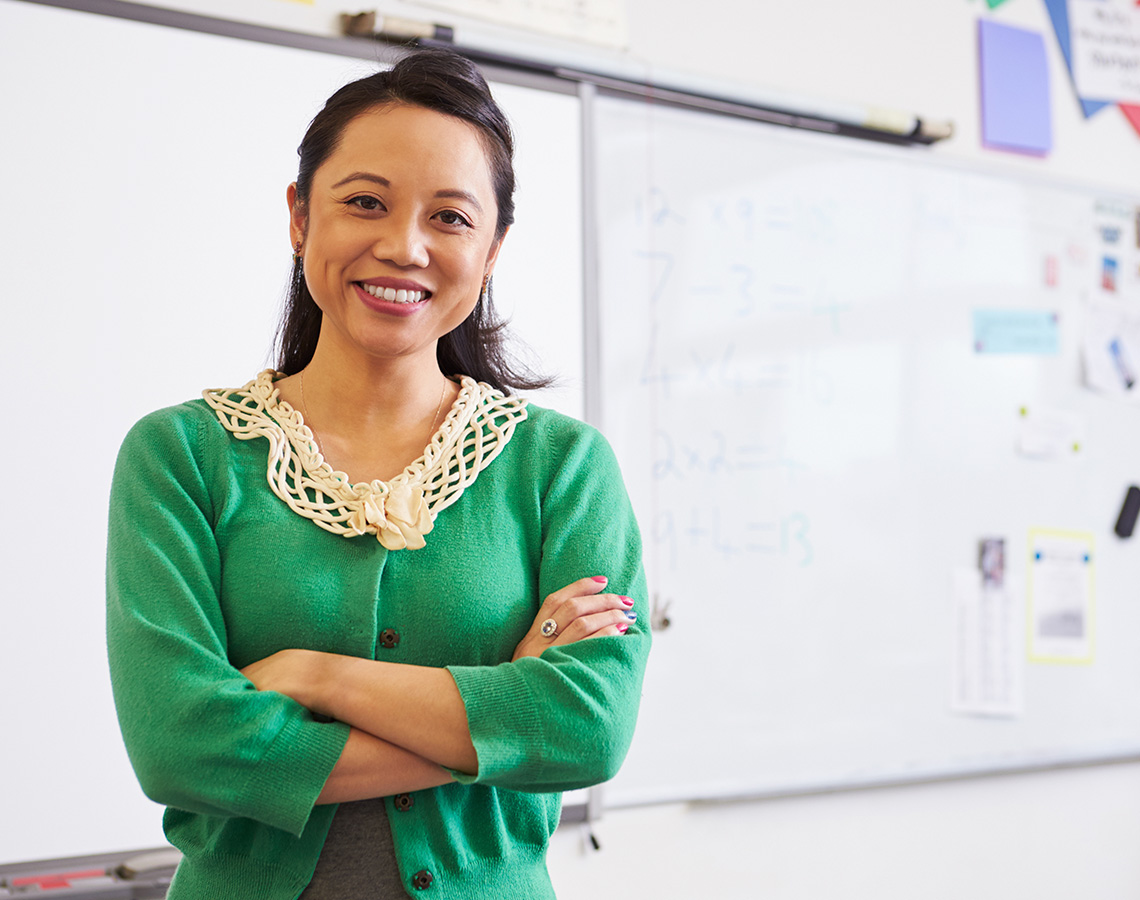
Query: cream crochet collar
pixel 398 512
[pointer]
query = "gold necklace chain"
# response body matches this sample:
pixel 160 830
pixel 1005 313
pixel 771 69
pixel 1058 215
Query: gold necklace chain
pixel 305 411
pixel 439 406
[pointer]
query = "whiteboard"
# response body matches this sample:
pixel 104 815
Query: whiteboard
pixel 146 249
pixel 814 448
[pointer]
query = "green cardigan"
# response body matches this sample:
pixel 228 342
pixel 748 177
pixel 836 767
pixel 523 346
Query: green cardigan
pixel 209 570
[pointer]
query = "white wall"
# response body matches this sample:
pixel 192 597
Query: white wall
pixel 1042 836
pixel 1049 836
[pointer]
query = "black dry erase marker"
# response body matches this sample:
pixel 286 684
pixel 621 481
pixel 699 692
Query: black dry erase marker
pixel 1128 512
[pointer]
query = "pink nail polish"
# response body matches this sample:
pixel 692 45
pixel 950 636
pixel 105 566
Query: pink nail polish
pixel 600 579
pixel 622 629
pixel 627 601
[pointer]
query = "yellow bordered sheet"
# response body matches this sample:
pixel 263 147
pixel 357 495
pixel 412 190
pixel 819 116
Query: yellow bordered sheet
pixel 1061 589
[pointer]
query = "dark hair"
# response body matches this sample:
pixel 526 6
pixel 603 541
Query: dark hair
pixel 448 83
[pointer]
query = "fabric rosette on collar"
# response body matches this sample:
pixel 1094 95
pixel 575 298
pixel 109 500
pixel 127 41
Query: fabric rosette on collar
pixel 400 516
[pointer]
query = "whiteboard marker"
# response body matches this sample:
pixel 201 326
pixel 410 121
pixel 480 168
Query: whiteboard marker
pixel 1128 513
pixel 57 880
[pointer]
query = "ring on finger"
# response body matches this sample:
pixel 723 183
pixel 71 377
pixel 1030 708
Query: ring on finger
pixel 549 628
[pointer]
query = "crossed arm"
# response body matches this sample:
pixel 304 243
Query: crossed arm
pixel 409 723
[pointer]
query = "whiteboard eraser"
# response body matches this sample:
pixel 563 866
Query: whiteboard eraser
pixel 1128 512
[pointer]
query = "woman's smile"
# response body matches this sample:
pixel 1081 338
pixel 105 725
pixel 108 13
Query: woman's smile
pixel 390 301
pixel 394 296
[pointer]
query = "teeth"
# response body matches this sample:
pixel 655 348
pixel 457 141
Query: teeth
pixel 394 296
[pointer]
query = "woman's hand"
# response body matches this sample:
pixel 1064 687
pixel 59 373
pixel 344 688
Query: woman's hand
pixel 294 673
pixel 580 610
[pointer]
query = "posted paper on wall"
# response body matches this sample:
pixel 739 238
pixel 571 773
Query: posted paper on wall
pixel 1049 434
pixel 1110 350
pixel 1014 72
pixel 1061 594
pixel 1106 49
pixel 987 678
pixel 1031 332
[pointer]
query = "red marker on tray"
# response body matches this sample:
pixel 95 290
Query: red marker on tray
pixel 60 879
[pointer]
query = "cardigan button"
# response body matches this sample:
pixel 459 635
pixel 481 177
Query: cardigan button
pixel 389 638
pixel 404 802
pixel 422 880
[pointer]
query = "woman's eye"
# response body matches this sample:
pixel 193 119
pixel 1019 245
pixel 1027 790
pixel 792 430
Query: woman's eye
pixel 451 217
pixel 370 204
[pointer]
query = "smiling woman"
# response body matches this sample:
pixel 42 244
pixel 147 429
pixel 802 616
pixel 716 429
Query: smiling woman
pixel 400 710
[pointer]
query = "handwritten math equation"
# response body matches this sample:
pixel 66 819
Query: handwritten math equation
pixel 696 473
pixel 698 529
pixel 720 277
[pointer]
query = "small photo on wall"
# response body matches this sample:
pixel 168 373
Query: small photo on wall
pixel 1108 274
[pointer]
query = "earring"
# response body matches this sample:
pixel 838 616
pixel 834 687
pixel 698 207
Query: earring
pixel 297 253
pixel 483 292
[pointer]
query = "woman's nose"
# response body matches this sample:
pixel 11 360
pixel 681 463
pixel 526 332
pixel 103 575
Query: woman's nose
pixel 402 242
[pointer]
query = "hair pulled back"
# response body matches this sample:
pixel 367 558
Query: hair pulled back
pixel 447 83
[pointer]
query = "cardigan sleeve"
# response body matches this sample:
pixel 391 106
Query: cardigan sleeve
pixel 201 738
pixel 565 720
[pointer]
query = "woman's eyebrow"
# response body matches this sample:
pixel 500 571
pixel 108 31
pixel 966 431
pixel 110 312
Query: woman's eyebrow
pixel 460 195
pixel 364 176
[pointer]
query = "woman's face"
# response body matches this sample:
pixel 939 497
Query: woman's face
pixel 399 231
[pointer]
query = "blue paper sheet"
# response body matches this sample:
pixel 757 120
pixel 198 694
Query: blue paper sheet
pixel 1030 331
pixel 1016 111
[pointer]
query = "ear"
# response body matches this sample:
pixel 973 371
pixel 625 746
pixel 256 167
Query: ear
pixel 298 220
pixel 493 255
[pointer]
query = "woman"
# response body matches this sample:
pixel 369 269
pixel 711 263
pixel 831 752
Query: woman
pixel 455 626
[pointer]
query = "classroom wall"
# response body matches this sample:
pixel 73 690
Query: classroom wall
pixel 1049 835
